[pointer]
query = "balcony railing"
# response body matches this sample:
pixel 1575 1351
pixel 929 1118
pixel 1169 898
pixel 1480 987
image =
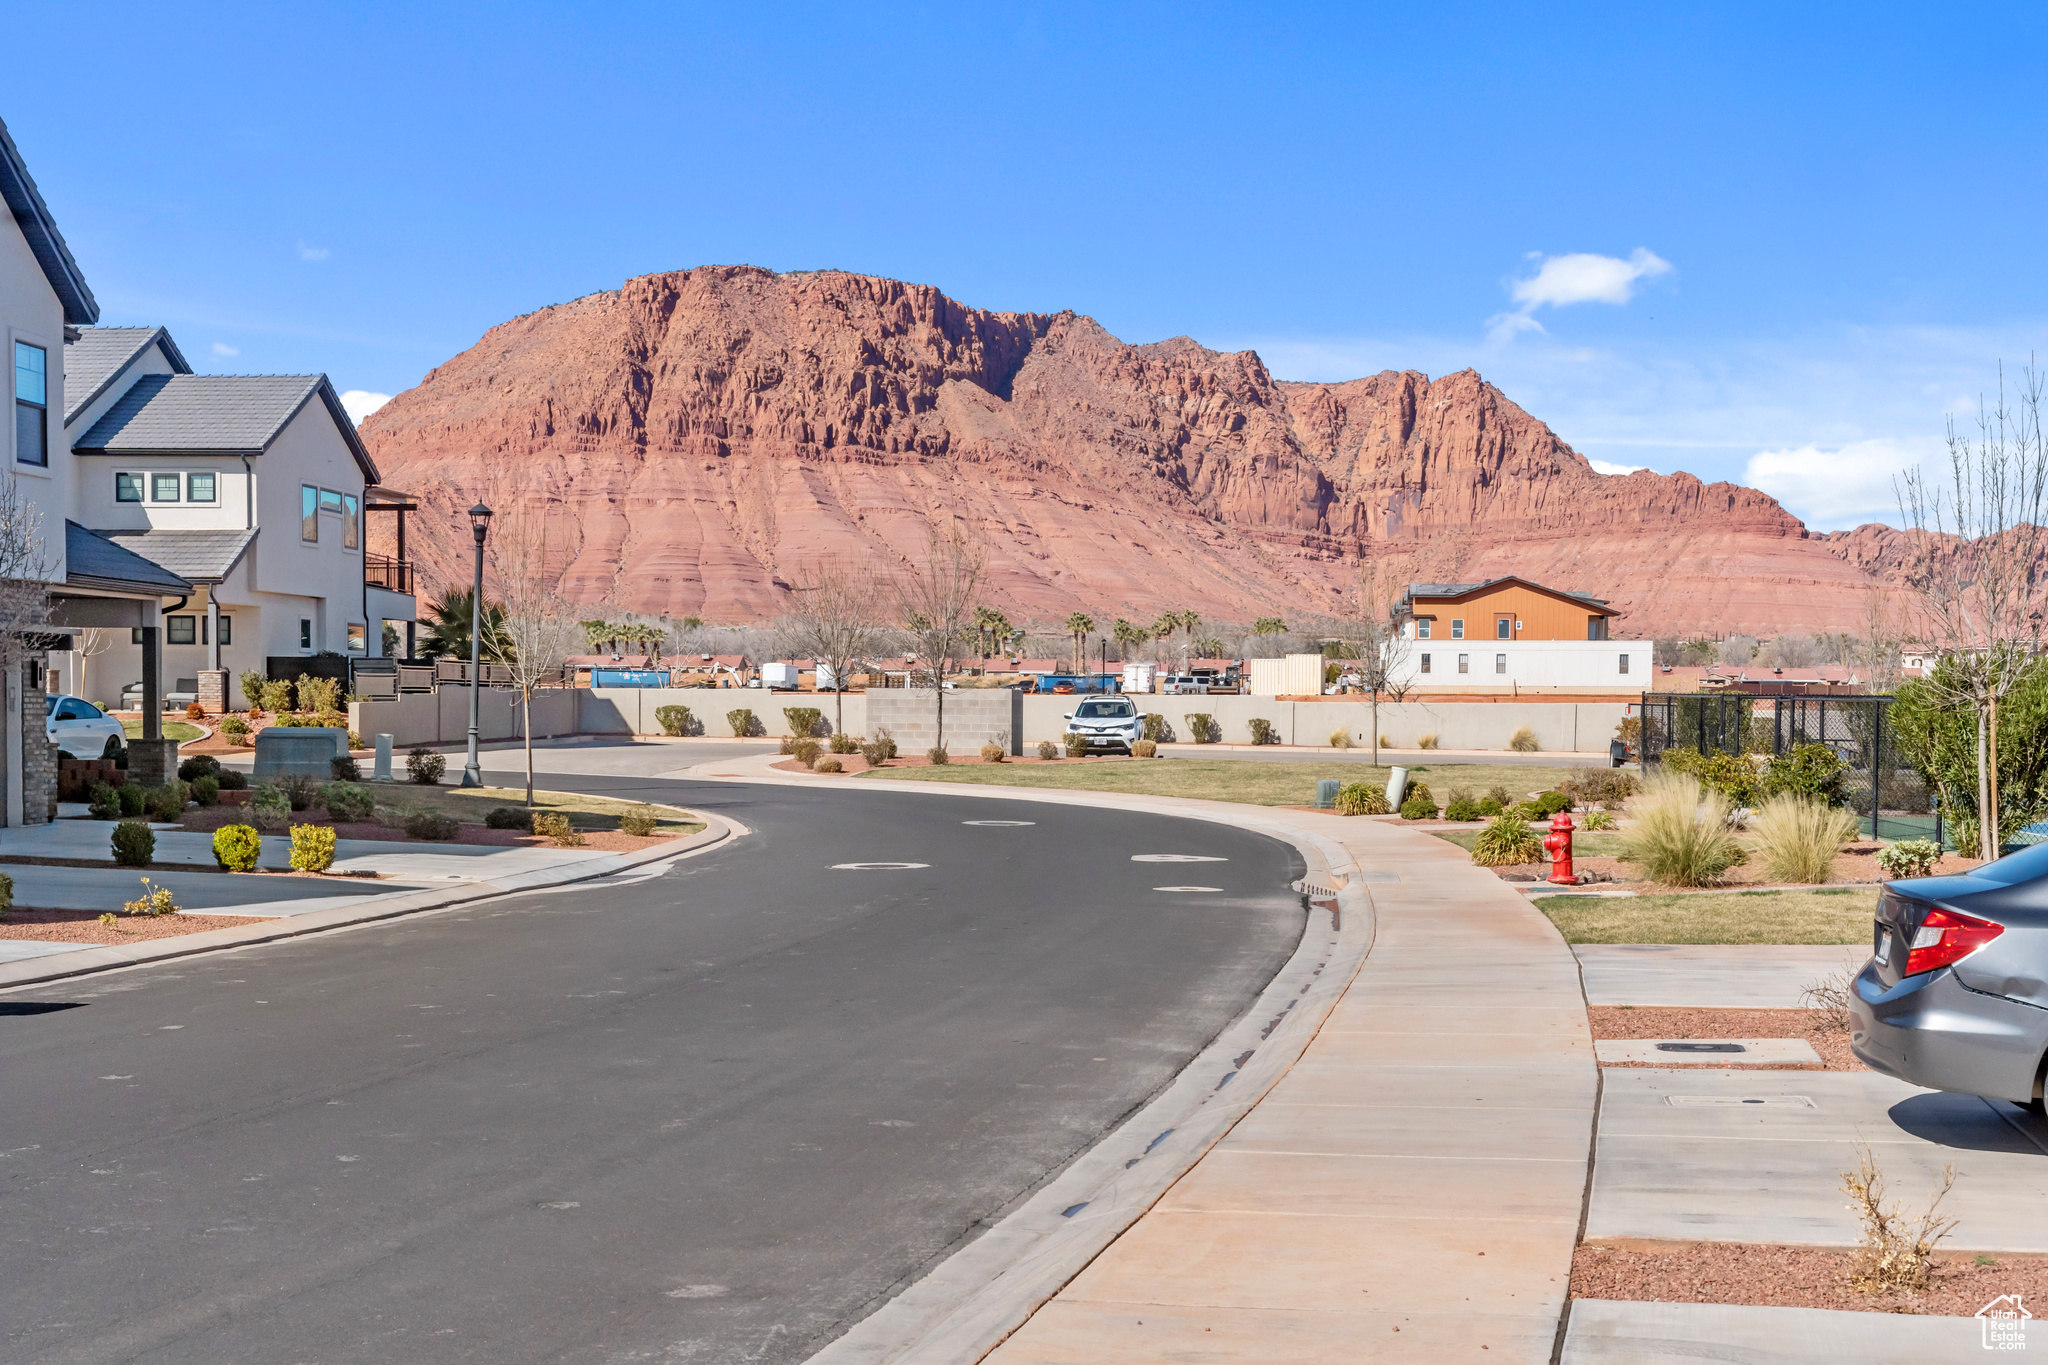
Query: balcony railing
pixel 392 575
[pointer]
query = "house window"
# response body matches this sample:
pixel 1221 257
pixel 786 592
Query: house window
pixel 181 630
pixel 1500 663
pixel 305 633
pixel 127 488
pixel 1425 663
pixel 349 522
pixel 200 488
pixel 309 518
pixel 330 501
pixel 1457 628
pixel 1422 630
pixel 1464 663
pixel 227 630
pixel 1624 663
pixel 356 636
pixel 1596 627
pixel 31 404
pixel 1503 627
pixel 163 487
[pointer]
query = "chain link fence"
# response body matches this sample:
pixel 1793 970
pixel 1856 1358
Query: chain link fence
pixel 1890 798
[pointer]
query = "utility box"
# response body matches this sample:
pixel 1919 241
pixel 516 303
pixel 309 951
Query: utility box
pixel 1140 677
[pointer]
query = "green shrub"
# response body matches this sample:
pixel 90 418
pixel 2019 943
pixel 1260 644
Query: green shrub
pixel 1735 776
pixel 312 848
pixel 1908 858
pixel 876 752
pixel 134 799
pixel 1500 796
pixel 166 803
pixel 275 696
pixel 1506 840
pixel 1202 728
pixel 346 802
pixel 431 824
pixel 674 720
pixel 103 802
pixel 237 847
pixel 252 688
pixel 1488 808
pixel 6 893
pixel 1155 727
pixel 319 695
pixel 134 844
pixel 1597 818
pixel 1799 837
pixel 1144 748
pixel 641 820
pixel 507 817
pixel 938 757
pixel 424 767
pixel 806 751
pixel 1678 832
pixel 1263 731
pixel 271 810
pixel 1361 798
pixel 555 828
pixel 841 743
pixel 1418 808
pixel 206 790
pixel 154 900
pixel 198 766
pixel 298 789
pixel 1810 770
pixel 231 780
pixel 803 720
pixel 1076 744
pixel 742 722
pixel 1047 749
pixel 1523 741
pixel 344 768
pixel 234 729
pixel 1461 808
pixel 1550 803
pixel 1416 787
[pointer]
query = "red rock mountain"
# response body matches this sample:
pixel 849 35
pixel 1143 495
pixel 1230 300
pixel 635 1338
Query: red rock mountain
pixel 703 433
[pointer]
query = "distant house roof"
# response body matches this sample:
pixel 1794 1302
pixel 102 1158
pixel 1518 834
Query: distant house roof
pixel 691 662
pixel 1007 665
pixel 33 217
pixel 225 414
pixel 1452 591
pixel 607 661
pixel 200 556
pixel 98 355
pixel 93 561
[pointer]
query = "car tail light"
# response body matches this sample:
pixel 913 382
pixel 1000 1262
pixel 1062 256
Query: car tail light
pixel 1946 936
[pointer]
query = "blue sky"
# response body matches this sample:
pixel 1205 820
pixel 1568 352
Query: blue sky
pixel 1770 243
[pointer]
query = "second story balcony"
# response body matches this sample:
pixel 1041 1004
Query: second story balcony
pixel 392 575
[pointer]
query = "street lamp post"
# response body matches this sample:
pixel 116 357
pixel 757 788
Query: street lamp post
pixel 479 523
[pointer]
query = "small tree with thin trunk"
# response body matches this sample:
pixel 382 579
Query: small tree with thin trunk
pixel 539 629
pixel 836 617
pixel 1371 631
pixel 1975 540
pixel 935 600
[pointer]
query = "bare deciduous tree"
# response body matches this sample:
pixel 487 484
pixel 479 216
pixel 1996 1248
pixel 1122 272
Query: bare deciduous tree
pixel 837 619
pixel 539 630
pixel 1372 631
pixel 1975 540
pixel 936 601
pixel 25 570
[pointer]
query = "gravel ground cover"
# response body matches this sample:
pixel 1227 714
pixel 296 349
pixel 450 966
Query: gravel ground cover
pixel 1791 1277
pixel 1256 784
pixel 83 926
pixel 1818 1027
pixel 1814 915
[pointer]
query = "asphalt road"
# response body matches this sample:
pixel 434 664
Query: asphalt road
pixel 711 1115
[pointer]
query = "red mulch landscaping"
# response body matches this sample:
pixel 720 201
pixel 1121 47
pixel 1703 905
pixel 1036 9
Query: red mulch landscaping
pixel 207 819
pixel 1818 1027
pixel 853 763
pixel 1790 1277
pixel 83 926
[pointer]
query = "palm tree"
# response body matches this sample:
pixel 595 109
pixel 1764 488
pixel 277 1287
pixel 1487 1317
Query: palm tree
pixel 448 633
pixel 1078 626
pixel 991 629
pixel 1127 637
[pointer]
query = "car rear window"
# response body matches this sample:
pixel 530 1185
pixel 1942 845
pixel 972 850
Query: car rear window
pixel 1105 710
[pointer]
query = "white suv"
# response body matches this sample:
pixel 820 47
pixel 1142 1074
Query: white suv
pixel 1107 723
pixel 81 729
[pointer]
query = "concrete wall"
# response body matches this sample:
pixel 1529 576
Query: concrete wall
pixel 1563 726
pixel 974 717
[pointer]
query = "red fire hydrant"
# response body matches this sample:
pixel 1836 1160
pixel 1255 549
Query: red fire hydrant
pixel 1558 843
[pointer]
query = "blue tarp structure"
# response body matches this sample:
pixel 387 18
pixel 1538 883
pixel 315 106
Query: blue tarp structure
pixel 629 677
pixel 1082 682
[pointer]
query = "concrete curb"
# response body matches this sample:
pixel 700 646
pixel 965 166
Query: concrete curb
pixel 966 1305
pixel 364 910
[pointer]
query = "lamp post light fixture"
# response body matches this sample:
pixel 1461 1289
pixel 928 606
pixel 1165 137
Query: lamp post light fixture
pixel 479 525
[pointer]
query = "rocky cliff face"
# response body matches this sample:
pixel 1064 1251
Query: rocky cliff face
pixel 702 433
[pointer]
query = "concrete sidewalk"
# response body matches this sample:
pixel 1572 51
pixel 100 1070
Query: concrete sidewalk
pixel 1409 1189
pixel 1711 976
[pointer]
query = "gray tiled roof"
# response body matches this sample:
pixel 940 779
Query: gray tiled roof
pixel 18 190
pixel 99 355
pixel 218 414
pixel 200 556
pixel 92 561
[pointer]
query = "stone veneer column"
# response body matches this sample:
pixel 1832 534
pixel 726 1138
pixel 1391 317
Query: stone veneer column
pixel 213 691
pixel 38 757
pixel 152 762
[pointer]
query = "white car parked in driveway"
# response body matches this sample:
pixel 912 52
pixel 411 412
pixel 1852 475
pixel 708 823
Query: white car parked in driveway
pixel 81 729
pixel 1108 723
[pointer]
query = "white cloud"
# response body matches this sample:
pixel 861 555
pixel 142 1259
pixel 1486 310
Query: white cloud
pixel 1609 467
pixel 223 350
pixel 1576 277
pixel 1834 489
pixel 360 403
pixel 312 253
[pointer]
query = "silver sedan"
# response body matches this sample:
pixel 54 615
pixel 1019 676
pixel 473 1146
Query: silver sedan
pixel 1955 996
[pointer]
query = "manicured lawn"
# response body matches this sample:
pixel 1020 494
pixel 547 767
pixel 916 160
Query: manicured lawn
pixel 182 731
pixel 1825 916
pixel 1599 843
pixel 1254 784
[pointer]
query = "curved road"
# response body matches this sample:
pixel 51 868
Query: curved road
pixel 714 1114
